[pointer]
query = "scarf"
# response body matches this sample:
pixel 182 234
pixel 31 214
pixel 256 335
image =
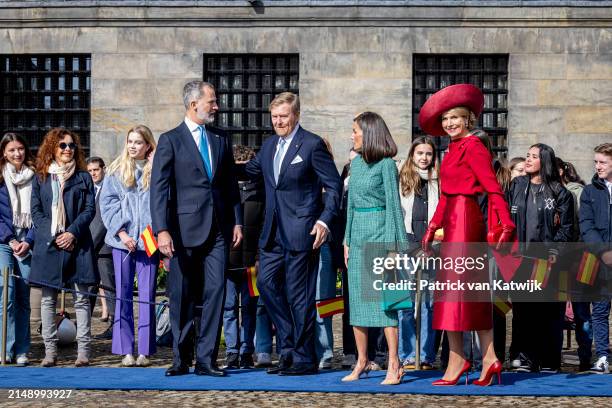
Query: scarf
pixel 19 186
pixel 433 197
pixel 59 175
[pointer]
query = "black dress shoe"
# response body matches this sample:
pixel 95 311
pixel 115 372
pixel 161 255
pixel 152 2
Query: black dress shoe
pixel 207 369
pixel 246 361
pixel 283 364
pixel 177 370
pixel 232 360
pixel 106 334
pixel 299 369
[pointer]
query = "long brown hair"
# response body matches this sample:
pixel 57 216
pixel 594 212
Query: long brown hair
pixel 46 152
pixel 409 176
pixel 13 137
pixel 377 140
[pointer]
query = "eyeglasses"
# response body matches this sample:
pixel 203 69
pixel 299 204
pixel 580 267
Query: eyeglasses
pixel 71 146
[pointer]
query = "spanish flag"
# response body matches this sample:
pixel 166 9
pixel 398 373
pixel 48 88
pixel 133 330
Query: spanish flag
pixel 149 241
pixel 501 306
pixel 330 307
pixel 587 271
pixel 541 271
pixel 563 284
pixel 251 273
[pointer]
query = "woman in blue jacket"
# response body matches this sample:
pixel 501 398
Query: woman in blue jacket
pixel 124 204
pixel 62 209
pixel 16 241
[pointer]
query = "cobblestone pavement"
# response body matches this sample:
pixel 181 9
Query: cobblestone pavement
pixel 101 357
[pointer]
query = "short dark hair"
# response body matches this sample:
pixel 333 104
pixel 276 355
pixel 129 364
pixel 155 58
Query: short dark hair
pixel 377 141
pixel 95 159
pixel 243 153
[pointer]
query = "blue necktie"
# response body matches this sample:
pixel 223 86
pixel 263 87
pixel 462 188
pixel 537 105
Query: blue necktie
pixel 204 151
pixel 278 158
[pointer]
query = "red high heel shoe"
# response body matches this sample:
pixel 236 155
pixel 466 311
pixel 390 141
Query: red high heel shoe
pixel 465 369
pixel 495 368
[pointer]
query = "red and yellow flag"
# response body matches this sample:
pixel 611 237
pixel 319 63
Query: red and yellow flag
pixel 251 273
pixel 587 271
pixel 563 285
pixel 501 306
pixel 541 271
pixel 150 243
pixel 330 307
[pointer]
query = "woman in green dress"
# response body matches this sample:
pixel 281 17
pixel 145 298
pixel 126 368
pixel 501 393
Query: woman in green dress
pixel 374 224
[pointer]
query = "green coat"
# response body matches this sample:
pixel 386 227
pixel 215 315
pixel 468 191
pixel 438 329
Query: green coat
pixel 374 215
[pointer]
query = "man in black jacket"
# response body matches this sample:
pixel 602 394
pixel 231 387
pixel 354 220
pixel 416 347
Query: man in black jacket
pixel 596 229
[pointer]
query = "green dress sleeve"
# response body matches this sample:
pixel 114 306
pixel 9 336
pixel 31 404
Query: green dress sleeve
pixel 394 223
pixel 349 217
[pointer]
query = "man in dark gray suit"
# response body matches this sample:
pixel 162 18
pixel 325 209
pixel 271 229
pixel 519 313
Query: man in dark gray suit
pixel 103 253
pixel 195 211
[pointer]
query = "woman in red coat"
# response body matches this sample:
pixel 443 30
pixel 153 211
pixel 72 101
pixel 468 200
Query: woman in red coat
pixel 466 172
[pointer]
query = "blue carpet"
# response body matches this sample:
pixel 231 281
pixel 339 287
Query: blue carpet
pixel 99 378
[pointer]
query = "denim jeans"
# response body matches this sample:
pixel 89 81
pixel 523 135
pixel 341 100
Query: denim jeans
pixel 239 307
pixel 601 311
pixel 326 289
pixel 407 333
pixel 83 320
pixel 584 330
pixel 263 330
pixel 18 309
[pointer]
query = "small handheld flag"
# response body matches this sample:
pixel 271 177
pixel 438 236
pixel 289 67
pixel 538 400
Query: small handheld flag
pixel 149 241
pixel 501 306
pixel 251 273
pixel 330 307
pixel 587 271
pixel 541 271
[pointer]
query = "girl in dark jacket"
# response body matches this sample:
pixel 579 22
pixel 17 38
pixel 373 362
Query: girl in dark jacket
pixel 16 240
pixel 62 208
pixel 542 210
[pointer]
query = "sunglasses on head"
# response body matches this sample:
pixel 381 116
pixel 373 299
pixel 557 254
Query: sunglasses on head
pixel 71 146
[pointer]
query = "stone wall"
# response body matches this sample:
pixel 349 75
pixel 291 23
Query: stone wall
pixel 351 59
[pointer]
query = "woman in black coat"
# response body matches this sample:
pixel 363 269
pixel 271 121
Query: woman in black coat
pixel 62 207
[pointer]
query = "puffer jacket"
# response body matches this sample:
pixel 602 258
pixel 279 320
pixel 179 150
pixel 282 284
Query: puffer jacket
pixel 596 213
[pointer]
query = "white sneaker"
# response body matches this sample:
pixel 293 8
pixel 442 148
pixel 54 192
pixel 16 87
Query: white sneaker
pixel 22 360
pixel 348 360
pixel 516 363
pixel 143 361
pixel 601 366
pixel 325 364
pixel 128 361
pixel 263 360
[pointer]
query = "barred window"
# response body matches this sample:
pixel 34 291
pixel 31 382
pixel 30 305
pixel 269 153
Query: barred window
pixel 489 72
pixel 246 84
pixel 43 91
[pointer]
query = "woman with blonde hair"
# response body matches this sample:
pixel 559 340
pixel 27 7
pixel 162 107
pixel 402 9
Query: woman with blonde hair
pixel 63 206
pixel 124 204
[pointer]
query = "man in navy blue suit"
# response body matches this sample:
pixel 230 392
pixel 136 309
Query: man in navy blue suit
pixel 195 211
pixel 295 166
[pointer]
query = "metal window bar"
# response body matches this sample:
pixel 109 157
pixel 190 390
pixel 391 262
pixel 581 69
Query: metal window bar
pixel 42 91
pixel 246 83
pixel 489 72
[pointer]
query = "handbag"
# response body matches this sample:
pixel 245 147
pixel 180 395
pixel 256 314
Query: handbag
pixel 394 300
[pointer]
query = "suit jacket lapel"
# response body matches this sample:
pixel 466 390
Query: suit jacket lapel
pixel 215 150
pixel 191 146
pixel 291 153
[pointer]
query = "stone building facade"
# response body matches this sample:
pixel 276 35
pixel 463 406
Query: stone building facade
pixel 353 56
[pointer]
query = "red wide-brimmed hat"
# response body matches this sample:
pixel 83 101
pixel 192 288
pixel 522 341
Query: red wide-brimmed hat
pixel 466 95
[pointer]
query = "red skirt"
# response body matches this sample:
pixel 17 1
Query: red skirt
pixel 464 227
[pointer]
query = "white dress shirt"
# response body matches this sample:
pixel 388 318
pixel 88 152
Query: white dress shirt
pixel 194 128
